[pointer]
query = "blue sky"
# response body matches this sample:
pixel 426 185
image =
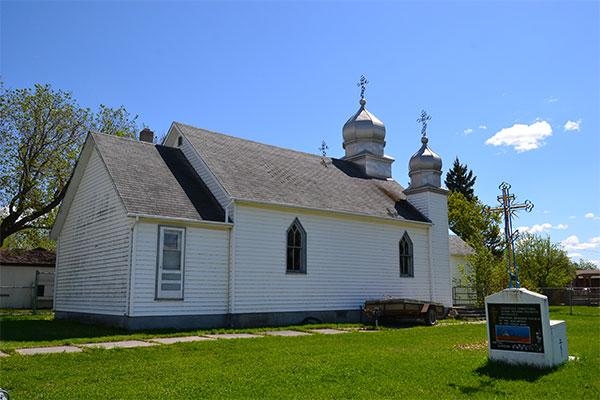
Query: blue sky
pixel 512 87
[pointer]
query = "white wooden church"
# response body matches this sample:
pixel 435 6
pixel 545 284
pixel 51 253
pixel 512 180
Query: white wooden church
pixel 210 230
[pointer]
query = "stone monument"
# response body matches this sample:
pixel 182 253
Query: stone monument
pixel 519 327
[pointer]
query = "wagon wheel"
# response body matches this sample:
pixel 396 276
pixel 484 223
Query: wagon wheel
pixel 430 316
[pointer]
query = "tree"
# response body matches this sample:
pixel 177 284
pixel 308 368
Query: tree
pixel 41 134
pixel 467 219
pixel 460 179
pixel 542 263
pixel 585 265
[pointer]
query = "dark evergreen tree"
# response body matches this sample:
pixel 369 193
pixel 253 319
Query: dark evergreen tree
pixel 460 179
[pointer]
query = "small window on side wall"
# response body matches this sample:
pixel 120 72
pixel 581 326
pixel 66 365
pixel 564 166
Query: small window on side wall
pixel 296 248
pixel 406 256
pixel 169 278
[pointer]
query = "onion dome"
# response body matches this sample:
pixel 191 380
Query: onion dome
pixel 425 167
pixel 363 125
pixel 425 158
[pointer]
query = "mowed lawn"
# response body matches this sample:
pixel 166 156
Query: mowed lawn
pixel 447 361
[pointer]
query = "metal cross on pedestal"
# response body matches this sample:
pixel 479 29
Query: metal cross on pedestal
pixel 362 85
pixel 509 208
pixel 424 118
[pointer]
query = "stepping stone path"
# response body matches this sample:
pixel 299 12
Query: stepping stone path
pixel 232 335
pixel 328 331
pixel 126 344
pixel 286 333
pixel 48 350
pixel 171 340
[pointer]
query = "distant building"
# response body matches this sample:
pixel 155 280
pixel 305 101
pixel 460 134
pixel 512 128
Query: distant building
pixel 18 270
pixel 587 278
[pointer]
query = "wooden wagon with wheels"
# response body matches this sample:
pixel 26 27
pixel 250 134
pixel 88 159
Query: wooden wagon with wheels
pixel 427 310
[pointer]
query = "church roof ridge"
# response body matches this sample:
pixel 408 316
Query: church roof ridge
pixel 254 141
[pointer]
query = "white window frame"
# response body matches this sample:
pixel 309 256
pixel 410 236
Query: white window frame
pixel 301 248
pixel 166 278
pixel 407 259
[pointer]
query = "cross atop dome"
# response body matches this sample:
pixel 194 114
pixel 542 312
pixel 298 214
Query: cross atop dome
pixel 362 83
pixel 423 119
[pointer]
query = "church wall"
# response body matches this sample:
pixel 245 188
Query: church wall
pixel 455 262
pixel 92 262
pixel 435 207
pixel 348 261
pixel 206 257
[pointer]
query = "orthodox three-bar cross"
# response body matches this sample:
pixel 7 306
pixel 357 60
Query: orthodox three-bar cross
pixel 508 207
pixel 362 84
pixel 423 120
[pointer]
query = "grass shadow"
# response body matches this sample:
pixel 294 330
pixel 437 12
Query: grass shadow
pixel 505 371
pixel 46 330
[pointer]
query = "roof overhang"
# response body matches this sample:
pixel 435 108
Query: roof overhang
pixel 265 204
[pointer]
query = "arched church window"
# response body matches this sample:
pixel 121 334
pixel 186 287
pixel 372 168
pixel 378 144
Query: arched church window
pixel 296 248
pixel 406 256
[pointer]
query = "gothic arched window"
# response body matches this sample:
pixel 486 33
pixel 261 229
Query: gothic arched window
pixel 296 248
pixel 406 256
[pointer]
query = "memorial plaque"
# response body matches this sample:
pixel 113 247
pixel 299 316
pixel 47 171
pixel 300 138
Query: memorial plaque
pixel 515 327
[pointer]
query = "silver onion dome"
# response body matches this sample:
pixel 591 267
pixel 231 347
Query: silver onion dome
pixel 363 125
pixel 425 159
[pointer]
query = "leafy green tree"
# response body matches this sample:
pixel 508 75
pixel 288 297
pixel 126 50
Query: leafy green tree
pixel 460 179
pixel 467 220
pixel 542 263
pixel 585 265
pixel 41 134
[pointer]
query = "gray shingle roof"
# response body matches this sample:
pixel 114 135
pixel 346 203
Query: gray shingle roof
pixel 36 257
pixel 156 180
pixel 260 172
pixel 459 247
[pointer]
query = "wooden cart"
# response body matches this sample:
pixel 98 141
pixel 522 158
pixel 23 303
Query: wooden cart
pixel 427 310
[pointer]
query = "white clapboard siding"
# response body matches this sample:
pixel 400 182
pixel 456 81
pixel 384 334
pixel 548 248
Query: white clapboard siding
pixel 206 255
pixel 435 207
pixel 348 261
pixel 455 261
pixel 92 265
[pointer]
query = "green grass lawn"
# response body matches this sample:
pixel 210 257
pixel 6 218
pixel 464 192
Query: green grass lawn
pixel 447 361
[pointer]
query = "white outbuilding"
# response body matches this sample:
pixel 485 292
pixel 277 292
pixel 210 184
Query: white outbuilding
pixel 210 230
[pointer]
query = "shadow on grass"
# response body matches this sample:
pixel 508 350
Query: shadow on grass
pixel 501 370
pixel 493 371
pixel 46 330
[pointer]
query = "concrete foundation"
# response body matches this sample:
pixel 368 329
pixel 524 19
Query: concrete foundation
pixel 237 321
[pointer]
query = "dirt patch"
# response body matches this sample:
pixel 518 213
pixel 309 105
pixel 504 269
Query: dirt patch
pixel 476 346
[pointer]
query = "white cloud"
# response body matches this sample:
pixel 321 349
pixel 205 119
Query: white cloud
pixel 467 131
pixel 482 127
pixel 572 243
pixel 546 212
pixel 572 126
pixel 589 215
pixel 551 100
pixel 572 255
pixel 597 262
pixel 572 217
pixel 541 228
pixel 522 137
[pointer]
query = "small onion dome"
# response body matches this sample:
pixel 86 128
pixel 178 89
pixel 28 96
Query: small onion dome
pixel 363 125
pixel 425 158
